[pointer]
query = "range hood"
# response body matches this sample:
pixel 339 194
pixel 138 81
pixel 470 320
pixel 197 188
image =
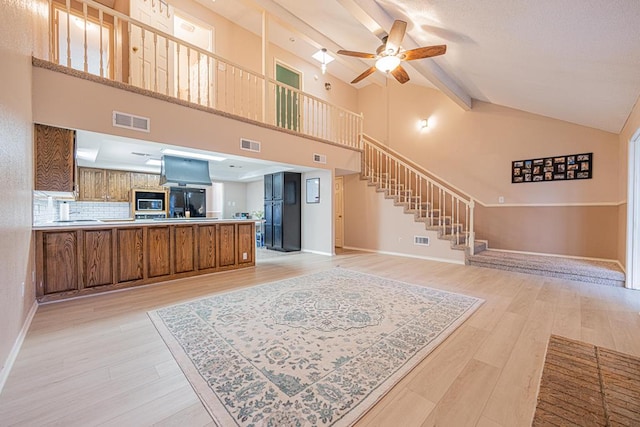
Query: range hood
pixel 181 171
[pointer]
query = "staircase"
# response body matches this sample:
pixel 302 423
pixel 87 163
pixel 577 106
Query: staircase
pixel 440 206
pixel 449 212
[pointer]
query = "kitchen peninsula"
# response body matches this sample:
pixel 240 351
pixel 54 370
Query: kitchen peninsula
pixel 89 257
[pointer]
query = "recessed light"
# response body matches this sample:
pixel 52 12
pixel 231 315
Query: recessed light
pixel 172 152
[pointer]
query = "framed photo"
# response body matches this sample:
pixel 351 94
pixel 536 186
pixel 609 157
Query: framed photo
pixel 313 190
pixel 555 168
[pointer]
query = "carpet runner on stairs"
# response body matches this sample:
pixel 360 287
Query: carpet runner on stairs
pixel 583 270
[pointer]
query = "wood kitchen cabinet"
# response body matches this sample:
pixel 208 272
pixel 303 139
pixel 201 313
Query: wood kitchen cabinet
pixel 54 151
pixel 146 181
pixel 103 185
pixel 73 261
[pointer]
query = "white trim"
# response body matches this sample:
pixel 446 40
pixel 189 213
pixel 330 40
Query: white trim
pixel 633 210
pixel 556 255
pixel 428 258
pixel 309 251
pixel 13 354
pixel 540 205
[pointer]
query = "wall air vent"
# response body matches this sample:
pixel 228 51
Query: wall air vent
pixel 421 240
pixel 319 158
pixel 129 121
pixel 247 144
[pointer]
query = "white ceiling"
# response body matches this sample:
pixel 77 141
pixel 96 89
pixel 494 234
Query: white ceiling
pixel 574 60
pixel 114 152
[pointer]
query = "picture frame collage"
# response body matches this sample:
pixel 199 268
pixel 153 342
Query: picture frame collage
pixel 557 168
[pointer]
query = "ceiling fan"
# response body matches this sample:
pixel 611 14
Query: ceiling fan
pixel 389 54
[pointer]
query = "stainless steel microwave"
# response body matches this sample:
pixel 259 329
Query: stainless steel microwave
pixel 150 205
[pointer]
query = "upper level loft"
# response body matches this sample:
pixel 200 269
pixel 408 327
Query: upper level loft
pixel 167 53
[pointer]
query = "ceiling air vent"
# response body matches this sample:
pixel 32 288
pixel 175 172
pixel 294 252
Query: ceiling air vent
pixel 319 158
pixel 247 144
pixel 129 121
pixel 421 240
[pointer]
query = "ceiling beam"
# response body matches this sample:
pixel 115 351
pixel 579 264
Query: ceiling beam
pixel 375 19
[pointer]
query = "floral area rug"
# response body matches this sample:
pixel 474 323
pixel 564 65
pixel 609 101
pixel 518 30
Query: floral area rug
pixel 313 350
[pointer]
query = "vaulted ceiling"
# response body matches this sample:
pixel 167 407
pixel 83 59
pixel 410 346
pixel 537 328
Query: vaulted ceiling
pixel 573 60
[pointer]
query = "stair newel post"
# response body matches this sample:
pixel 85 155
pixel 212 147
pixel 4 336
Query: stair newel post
pixel 472 238
pixel 457 221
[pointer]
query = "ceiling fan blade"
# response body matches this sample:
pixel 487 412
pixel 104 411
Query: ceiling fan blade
pixel 357 54
pixel 395 37
pixel 400 74
pixel 363 75
pixel 424 52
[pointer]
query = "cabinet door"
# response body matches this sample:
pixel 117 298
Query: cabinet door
pixel 130 254
pixel 98 264
pixel 227 244
pixel 184 241
pixel 268 187
pixel 268 224
pixel 54 159
pixel 277 213
pixel 159 255
pixel 278 185
pixel 59 262
pixel 118 186
pixel 153 182
pixel 139 180
pixel 206 247
pixel 91 185
pixel 246 242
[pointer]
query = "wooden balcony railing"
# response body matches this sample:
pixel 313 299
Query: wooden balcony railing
pixel 93 38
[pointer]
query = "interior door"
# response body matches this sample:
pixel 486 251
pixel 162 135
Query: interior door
pixel 194 72
pixel 339 211
pixel 287 100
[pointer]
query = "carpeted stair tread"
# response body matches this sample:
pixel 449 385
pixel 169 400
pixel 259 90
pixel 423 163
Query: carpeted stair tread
pixel 584 270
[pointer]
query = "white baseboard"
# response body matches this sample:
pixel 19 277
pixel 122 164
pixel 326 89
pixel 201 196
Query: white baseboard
pixel 309 251
pixel 428 258
pixel 13 354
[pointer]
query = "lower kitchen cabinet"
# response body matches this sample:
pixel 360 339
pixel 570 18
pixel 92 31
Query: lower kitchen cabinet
pixel 130 254
pixel 159 253
pixel 184 237
pixel 98 260
pixel 57 262
pixel 86 260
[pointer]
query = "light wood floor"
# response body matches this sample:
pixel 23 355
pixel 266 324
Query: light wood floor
pixel 99 360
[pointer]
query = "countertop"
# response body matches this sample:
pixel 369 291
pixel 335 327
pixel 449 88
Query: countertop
pixel 109 223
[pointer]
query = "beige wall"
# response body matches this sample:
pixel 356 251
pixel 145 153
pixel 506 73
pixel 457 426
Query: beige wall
pixel 586 231
pixel 170 123
pixel 16 173
pixel 473 150
pixel 317 218
pixel 373 223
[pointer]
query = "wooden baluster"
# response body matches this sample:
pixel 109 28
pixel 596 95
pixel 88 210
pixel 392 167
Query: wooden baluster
pixel 116 50
pixel 199 86
pixel 178 71
pixel 52 54
pixel 69 33
pixel 85 48
pixel 167 91
pixel 130 58
pixel 155 62
pixel 188 71
pixel 101 20
pixel 144 78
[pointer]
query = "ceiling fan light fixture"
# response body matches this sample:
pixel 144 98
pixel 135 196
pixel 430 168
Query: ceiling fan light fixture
pixel 387 64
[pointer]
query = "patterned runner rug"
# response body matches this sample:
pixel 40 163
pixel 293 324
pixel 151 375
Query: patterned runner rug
pixel 585 385
pixel 313 350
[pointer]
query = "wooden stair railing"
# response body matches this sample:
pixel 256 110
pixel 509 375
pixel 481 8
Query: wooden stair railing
pixel 439 205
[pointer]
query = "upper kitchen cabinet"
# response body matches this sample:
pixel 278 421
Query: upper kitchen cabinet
pixel 100 185
pixel 146 181
pixel 54 159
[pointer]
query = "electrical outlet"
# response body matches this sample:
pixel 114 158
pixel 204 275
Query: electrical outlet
pixel 22 289
pixel 244 255
pixel 501 199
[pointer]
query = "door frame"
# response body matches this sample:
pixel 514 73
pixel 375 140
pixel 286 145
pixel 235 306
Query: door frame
pixel 633 213
pixel 300 74
pixel 339 179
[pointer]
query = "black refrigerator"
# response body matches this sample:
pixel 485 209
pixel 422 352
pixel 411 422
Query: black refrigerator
pixel 192 200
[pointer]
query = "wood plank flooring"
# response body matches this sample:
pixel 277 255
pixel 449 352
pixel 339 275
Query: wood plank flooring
pixel 100 361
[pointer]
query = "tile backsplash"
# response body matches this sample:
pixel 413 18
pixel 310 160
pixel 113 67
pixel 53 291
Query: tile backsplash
pixel 48 210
